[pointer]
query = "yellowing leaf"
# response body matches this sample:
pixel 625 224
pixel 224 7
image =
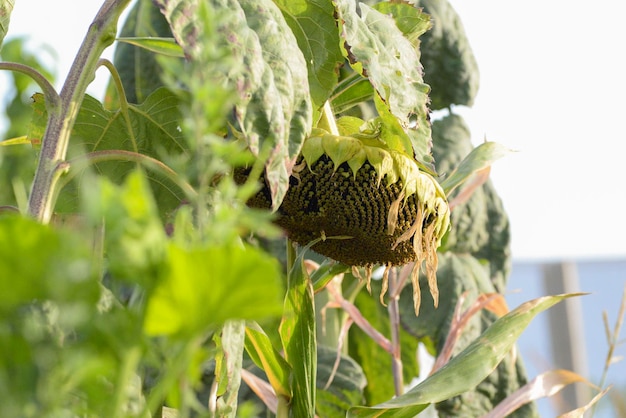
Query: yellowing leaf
pixel 544 385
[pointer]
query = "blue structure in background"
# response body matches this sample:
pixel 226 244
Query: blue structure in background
pixel 604 280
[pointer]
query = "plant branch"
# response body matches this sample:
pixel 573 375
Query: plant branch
pixel 55 141
pixel 121 94
pixel 79 163
pixel 53 100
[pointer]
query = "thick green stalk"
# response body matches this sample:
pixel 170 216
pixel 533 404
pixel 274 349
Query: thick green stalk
pixel 61 118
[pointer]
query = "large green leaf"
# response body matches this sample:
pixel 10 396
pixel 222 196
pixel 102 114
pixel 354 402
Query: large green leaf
pixel 138 67
pixel 340 383
pixel 6 7
pixel 410 19
pixel 313 23
pixel 40 263
pixel 205 286
pixel 298 335
pixel 468 368
pixel 274 112
pixel 151 128
pixel 449 64
pixel 377 48
pixel 480 226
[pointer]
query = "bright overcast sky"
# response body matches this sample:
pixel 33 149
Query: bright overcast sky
pixel 552 87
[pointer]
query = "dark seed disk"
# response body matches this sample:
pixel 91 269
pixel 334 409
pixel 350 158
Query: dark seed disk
pixel 321 202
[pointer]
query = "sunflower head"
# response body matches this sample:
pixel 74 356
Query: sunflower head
pixel 369 204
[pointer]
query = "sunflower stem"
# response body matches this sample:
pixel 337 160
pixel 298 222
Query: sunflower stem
pixel 394 321
pixel 327 120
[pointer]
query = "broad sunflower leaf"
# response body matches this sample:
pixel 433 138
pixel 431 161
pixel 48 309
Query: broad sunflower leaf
pixel 137 66
pixel 205 286
pixel 340 383
pixel 468 368
pixel 274 112
pixel 378 50
pixel 411 20
pixel 38 262
pixel 450 67
pixel 313 22
pixel 150 128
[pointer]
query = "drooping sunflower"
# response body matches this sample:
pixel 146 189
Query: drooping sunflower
pixel 370 205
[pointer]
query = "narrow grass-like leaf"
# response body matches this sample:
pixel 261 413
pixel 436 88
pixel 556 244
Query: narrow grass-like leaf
pixel 297 331
pixel 580 412
pixel 160 45
pixel 481 157
pixel 468 368
pixel 325 272
pixel 265 356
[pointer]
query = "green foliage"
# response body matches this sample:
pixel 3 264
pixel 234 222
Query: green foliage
pixel 151 290
pixel 450 67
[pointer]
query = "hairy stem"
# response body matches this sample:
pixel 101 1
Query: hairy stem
pixel 394 321
pixel 51 165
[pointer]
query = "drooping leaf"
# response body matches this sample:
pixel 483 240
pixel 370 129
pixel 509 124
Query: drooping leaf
pixel 411 20
pixel 6 7
pixel 298 335
pixel 137 66
pixel 450 68
pixel 546 384
pixel 274 113
pixel 350 92
pixel 378 50
pixel 205 286
pixel 312 22
pixel 468 368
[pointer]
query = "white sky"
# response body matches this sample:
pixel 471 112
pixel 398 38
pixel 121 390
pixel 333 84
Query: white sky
pixel 552 87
